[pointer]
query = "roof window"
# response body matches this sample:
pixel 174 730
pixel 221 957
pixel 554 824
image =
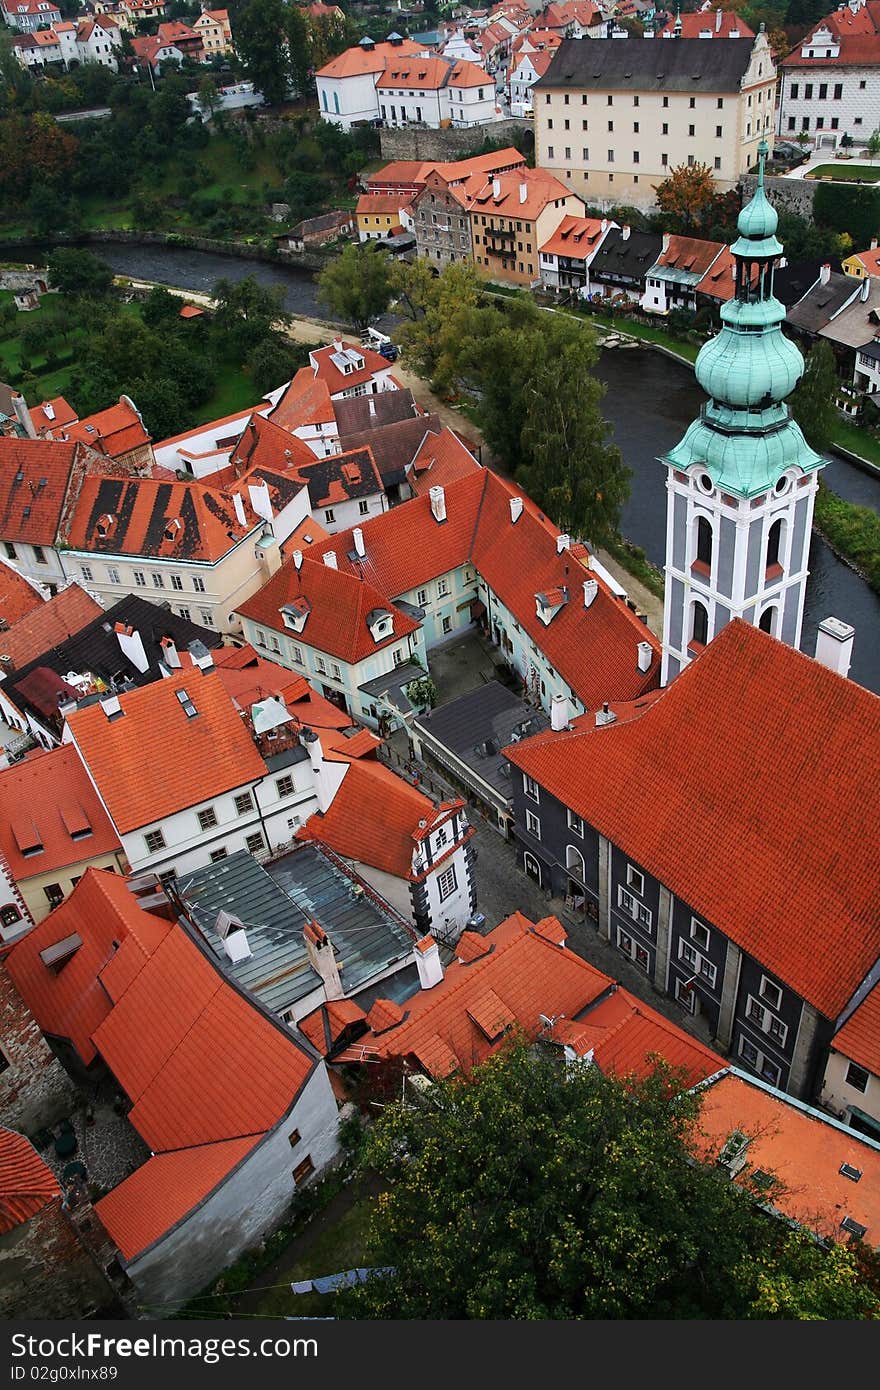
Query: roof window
pixel 186 704
pixel 849 1171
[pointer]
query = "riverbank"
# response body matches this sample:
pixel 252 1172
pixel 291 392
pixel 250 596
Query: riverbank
pixel 852 532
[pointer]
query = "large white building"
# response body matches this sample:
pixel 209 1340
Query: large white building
pixel 831 79
pixel 347 84
pixel 398 84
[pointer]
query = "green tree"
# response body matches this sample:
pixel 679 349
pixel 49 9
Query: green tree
pixel 246 311
pixel 873 145
pixel 161 308
pixel 436 308
pixel 687 194
pixel 356 286
pixel 299 46
pixel 79 274
pixel 274 360
pixel 538 1190
pixel 208 98
pixel 259 27
pixel 812 403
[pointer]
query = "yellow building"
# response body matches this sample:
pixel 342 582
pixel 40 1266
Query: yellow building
pixel 382 214
pixel 862 263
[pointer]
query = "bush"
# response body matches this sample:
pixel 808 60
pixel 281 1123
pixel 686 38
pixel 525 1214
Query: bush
pixel 852 531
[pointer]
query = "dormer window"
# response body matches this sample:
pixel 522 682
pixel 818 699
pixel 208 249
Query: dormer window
pixel 171 528
pixel 380 623
pixel 106 524
pixel 294 614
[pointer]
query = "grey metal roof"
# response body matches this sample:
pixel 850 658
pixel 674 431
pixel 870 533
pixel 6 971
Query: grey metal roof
pixel 476 726
pixel 649 65
pixel 274 902
pixel 392 684
pixel 630 257
pixel 815 311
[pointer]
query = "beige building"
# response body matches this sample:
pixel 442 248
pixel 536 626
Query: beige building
pixel 851 1084
pixel 612 119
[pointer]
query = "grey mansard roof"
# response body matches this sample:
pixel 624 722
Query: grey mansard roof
pixel 649 65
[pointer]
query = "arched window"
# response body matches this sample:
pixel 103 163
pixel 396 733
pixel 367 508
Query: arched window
pixel 532 867
pixel 774 544
pixel 699 625
pixel 768 620
pixel 704 543
pixel 574 863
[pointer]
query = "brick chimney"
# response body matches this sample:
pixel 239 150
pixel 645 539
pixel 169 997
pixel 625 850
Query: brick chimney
pixel 427 957
pixel 322 959
pixel 834 644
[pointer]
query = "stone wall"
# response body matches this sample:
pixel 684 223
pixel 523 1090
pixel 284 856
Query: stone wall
pixel 305 260
pixel 35 1090
pixel 46 1273
pixel 420 142
pixel 786 195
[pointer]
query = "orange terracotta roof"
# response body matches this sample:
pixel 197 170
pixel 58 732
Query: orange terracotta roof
pixel 63 414
pixel 326 370
pixel 191 311
pixel 625 1035
pixel 34 474
pixel 856 52
pixel 440 460
pixel 577 237
pixel 354 62
pixel 690 254
pixel 719 282
pixel 325 1026
pixel 539 61
pixel 26 1183
pixel 382 204
pixel 338 608
pixel 870 260
pixel 801 1148
pixel 783 795
pixel 465 74
pixel 415 74
pixel 153 518
pixel 524 973
pixel 695 23
pixel 305 402
pixel 115 431
pixel 18 597
pixel 308 532
pixel 194 758
pixel 104 915
pixel 49 801
pixel 265 444
pixel 47 624
pixel 164 1189
pixel 249 677
pixel 542 189
pixel 859 1038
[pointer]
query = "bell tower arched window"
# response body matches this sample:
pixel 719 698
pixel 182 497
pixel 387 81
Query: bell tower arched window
pixel 775 538
pixel 768 620
pixel 699 625
pixel 703 556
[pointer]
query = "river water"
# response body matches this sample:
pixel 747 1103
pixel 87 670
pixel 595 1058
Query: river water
pixel 650 401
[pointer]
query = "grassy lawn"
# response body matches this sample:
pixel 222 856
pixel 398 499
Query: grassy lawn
pixel 234 391
pixel 334 1245
pixel 846 173
pixel 853 531
pixel 859 441
pixel 647 333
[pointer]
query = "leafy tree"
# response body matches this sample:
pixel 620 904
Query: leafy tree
pixel 812 403
pixel 356 286
pixel 687 193
pixel 246 311
pixel 161 308
pixel 536 1190
pixel 873 145
pixel 209 97
pixel 437 307
pixel 275 360
pixel 259 27
pixel 51 150
pixel 79 273
pixel 299 45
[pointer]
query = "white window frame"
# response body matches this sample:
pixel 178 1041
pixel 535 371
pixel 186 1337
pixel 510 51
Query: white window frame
pixel 251 844
pixel 443 588
pixel 634 909
pixel 140 579
pixel 533 824
pixel 198 584
pixel 113 574
pixel 531 788
pixel 87 573
pixel 575 824
pixel 280 782
pixel 768 1021
pixel 446 883
pixel 697 962
pixel 634 950
pixel 685 997
pixel 698 927
pixel 320 666
pixel 761 1061
pixel 770 993
pixel 154 835
pixel 635 880
pixel 210 814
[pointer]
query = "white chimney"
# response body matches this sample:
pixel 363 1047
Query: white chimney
pixel 624 232
pixel 170 654
pixel 562 543
pixel 865 289
pixel 371 407
pixel 559 715
pixel 438 503
pixel 667 237
pixel 496 188
pixel 236 945
pixel 260 501
pixel 357 536
pixel 322 959
pixel 604 224
pixel 873 243
pixel 111 706
pixel 834 644
pixel 427 954
pixel 337 345
pixel 646 653
pixel 49 410
pixel 516 507
pixel 297 559
pixel 717 20
pixel 23 415
pixel 824 273
pixel 591 589
pixel 523 191
pixel 330 560
pixel 604 716
pixel 238 504
pixel 132 647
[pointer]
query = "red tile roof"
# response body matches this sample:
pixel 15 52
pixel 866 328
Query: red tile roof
pixel 115 431
pixel 870 260
pixel 440 460
pixel 859 1038
pixel 524 972
pixel 18 596
pixel 73 1003
pixel 63 414
pixel 542 189
pixel 576 237
pixel 164 1189
pixel 34 474
pixel 47 624
pixel 354 62
pixel 690 254
pixel 152 518
pixel 768 780
pixel 46 801
pixel 325 1026
pixel 249 677
pixel 696 22
pixel 800 1148
pixel 306 401
pixel 41 688
pixel 339 605
pixel 625 1036
pixel 26 1183
pixel 192 759
pixel 337 381
pixel 856 52
pixel 719 282
pixel 383 204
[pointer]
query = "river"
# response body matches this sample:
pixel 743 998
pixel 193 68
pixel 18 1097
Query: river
pixel 650 401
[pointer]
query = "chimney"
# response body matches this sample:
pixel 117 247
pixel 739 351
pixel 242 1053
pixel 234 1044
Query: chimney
pixel 132 647
pixel 322 959
pixel 438 503
pixel 337 345
pixel 238 504
pixel 604 716
pixel 646 653
pixel 717 20
pixel 48 410
pixel 111 706
pixel 824 273
pixel 591 589
pixel 834 644
pixel 604 224
pixel 427 954
pixel 170 654
pixel 66 704
pixel 516 507
pixel 260 500
pixel 236 945
pixel 559 714
pixel 562 542
pixel 496 188
pixel 523 191
pixel 371 407
pixel 865 289
pixel 624 232
pixel 297 559
pixel 23 415
pixel 330 560
pixel 200 656
pixel 666 240
pixel 873 243
pixel 357 536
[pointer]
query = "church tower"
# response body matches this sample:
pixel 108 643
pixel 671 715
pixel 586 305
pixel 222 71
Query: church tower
pixel 742 482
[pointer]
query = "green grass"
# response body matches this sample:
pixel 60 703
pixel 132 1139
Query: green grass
pixel 342 1245
pixel 857 440
pixel 635 562
pixel 846 173
pixel 853 531
pixel 646 333
pixel 234 391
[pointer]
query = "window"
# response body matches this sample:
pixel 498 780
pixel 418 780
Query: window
pixel 720 103
pixel 700 934
pixel 635 156
pixel 585 154
pixel 54 894
pixel 575 823
pixel 823 91
pixel 664 160
pixel 207 818
pixel 665 128
pixel 255 842
pixel 39 555
pixel 296 654
pixel 10 550
pixel 154 840
pixel 86 572
pixel 610 156
pixel 113 575
pixel 442 588
pixel 767 1022
pixel 284 785
pixel 791 122
pixel 692 102
pixel 610 125
pixel 636 910
pixel 857 1077
pixel 140 579
pixel 364 506
pixel 294 1138
pixel 198 584
pixel 684 995
pixel 774 546
pixel 758 1062
pixel 703 557
pixel 718 132
pixel 717 162
pixel 665 101
pixel 446 884
pixel 635 101
pixel 244 802
pixel 218 854
pixel 176 582
pixel 691 129
pixel 632 949
pixel 635 880
pixel 207 617
pixel 700 625
pixel 838 91
pixel 770 993
pixel 530 787
pixel 567 156
pixel 302 1170
pixel 329 514
pixel 550 148
pixel 320 665
pixel 533 825
pixel 9 915
pixel 808 91
pixel 697 963
pixel 158 580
